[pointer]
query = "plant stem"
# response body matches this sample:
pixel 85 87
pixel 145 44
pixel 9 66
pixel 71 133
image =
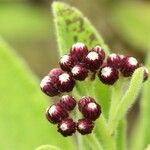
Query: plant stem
pixel 115 98
pixel 106 139
pixel 93 142
pixel 121 135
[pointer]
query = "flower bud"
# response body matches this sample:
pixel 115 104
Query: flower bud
pixel 108 75
pixel 56 113
pixel 85 126
pixel 91 111
pixel 66 62
pixel 65 82
pixel 67 127
pixel 100 51
pixel 55 72
pixel 78 51
pixel 93 61
pixel 48 86
pixel 128 66
pixel 114 60
pixel 146 73
pixel 79 72
pixel 68 102
pixel 84 101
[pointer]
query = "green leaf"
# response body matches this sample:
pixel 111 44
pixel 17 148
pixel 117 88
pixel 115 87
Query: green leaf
pixel 141 139
pixel 132 21
pixel 22 114
pixel 71 27
pixel 127 100
pixel 47 147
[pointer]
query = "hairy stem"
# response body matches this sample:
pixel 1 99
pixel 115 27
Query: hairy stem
pixel 121 135
pixel 108 142
pixel 93 142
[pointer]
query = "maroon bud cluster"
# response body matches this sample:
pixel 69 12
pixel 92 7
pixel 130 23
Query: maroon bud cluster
pixel 59 114
pixel 79 62
pixel 78 65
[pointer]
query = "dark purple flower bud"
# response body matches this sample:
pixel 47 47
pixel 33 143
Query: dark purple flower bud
pixel 93 61
pixel 91 111
pixel 65 82
pixel 48 86
pixel 56 113
pixel 84 101
pixel 146 73
pixel 100 51
pixel 55 72
pixel 114 60
pixel 128 66
pixel 108 75
pixel 68 102
pixel 79 72
pixel 66 62
pixel 67 127
pixel 85 126
pixel 78 51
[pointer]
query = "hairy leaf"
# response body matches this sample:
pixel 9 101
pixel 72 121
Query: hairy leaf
pixel 72 26
pixel 128 99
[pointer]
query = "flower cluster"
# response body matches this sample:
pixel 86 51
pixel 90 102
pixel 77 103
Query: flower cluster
pixel 78 65
pixel 59 114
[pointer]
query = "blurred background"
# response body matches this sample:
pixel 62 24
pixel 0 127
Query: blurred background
pixel 27 25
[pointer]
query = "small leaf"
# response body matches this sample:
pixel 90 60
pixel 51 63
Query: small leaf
pixel 128 99
pixel 47 147
pixel 23 125
pixel 72 27
pixel 141 139
pixel 132 22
